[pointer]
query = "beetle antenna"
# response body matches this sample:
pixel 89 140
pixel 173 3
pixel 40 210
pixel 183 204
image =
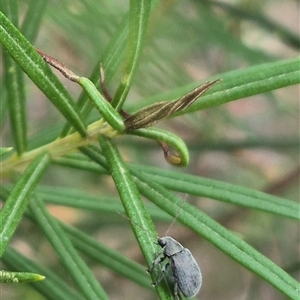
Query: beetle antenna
pixel 131 221
pixel 177 213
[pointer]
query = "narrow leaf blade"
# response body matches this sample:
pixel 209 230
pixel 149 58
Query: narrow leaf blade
pixel 16 204
pixel 77 268
pixel 33 65
pixel 212 231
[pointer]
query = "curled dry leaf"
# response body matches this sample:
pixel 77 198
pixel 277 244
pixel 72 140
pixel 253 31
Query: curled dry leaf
pixel 156 112
pixel 58 65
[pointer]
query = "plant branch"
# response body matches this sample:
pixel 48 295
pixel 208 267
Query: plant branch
pixel 58 147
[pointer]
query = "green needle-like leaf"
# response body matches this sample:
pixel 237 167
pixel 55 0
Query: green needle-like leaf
pixel 138 20
pixel 172 140
pixel 5 150
pixel 16 204
pixel 14 84
pixel 11 9
pixel 53 287
pixel 19 277
pixel 83 200
pixel 108 257
pixel 251 81
pixel 109 113
pixel 110 60
pixel 222 191
pixel 33 18
pixel 227 242
pixel 185 41
pixel 133 205
pixel 203 187
pixel 129 195
pixel 237 84
pixel 33 65
pixel 79 271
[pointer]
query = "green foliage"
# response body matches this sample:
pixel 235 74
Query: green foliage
pixel 70 159
pixel 16 277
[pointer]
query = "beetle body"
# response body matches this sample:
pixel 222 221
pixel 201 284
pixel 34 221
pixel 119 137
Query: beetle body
pixel 185 270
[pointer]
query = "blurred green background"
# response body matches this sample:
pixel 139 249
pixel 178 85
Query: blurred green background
pixel 251 142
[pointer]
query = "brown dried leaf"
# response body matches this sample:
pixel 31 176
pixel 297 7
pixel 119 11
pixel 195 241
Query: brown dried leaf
pixel 156 112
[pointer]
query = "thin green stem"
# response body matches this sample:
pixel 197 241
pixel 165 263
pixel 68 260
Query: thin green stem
pixel 59 147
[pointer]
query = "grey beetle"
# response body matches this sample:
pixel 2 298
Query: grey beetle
pixel 185 270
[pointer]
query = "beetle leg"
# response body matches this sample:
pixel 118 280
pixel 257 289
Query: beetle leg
pixel 157 261
pixel 161 275
pixel 176 294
